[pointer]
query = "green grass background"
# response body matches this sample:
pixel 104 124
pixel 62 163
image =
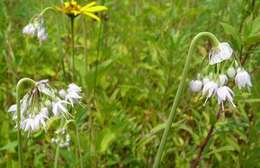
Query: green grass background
pixel 139 49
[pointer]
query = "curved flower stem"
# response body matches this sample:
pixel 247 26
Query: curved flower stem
pixel 42 12
pixel 57 153
pixel 72 47
pixel 172 115
pixel 19 134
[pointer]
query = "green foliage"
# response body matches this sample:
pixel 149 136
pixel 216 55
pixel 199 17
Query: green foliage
pixel 139 50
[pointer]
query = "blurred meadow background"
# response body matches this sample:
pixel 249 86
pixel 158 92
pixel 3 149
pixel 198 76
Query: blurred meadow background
pixel 129 66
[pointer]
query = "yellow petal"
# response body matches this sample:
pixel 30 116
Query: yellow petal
pixel 96 9
pixel 89 5
pixel 92 16
pixel 66 4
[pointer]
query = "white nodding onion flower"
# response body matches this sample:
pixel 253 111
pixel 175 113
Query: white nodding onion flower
pixel 72 94
pixel 41 34
pixel 34 123
pixel 231 72
pixel 195 85
pixel 36 28
pixel 29 29
pixel 209 89
pixel 44 87
pixel 74 88
pixel 243 79
pixel 224 93
pixel 42 98
pixel 223 79
pixel 60 107
pixel 24 107
pixel 220 53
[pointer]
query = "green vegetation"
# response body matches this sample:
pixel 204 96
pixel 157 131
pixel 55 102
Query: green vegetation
pixel 129 66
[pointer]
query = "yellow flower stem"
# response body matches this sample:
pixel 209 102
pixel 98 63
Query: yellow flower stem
pixel 85 48
pixel 72 48
pixel 18 106
pixel 62 56
pixel 93 161
pixel 185 71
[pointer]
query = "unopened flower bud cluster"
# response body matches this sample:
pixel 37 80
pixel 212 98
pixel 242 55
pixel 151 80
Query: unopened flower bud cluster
pixel 216 84
pixel 62 138
pixel 43 102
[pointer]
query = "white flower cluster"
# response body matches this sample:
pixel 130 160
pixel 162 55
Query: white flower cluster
pixel 43 102
pixel 217 85
pixel 62 138
pixel 36 28
pixel 220 53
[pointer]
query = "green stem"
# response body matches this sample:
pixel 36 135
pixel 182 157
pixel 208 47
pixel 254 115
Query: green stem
pixel 62 55
pixel 78 145
pixel 57 153
pixel 93 161
pixel 72 47
pixel 179 91
pixel 19 134
pixel 85 49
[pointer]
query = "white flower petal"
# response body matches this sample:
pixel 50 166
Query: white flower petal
pixel 224 93
pixel 195 85
pixel 221 53
pixel 243 79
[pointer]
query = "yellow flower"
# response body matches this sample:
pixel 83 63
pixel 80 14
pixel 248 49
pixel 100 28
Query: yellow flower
pixel 73 9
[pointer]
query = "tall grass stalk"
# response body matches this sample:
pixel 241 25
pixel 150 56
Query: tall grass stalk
pixel 78 145
pixel 92 120
pixel 179 92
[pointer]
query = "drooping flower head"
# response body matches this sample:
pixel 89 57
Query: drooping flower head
pixel 243 79
pixel 36 28
pixel 29 29
pixel 72 94
pixel 73 9
pixel 224 93
pixel 33 113
pixel 209 89
pixel 195 85
pixel 41 103
pixel 220 53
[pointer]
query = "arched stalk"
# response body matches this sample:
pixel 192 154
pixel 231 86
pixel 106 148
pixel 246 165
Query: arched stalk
pixel 18 105
pixel 172 115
